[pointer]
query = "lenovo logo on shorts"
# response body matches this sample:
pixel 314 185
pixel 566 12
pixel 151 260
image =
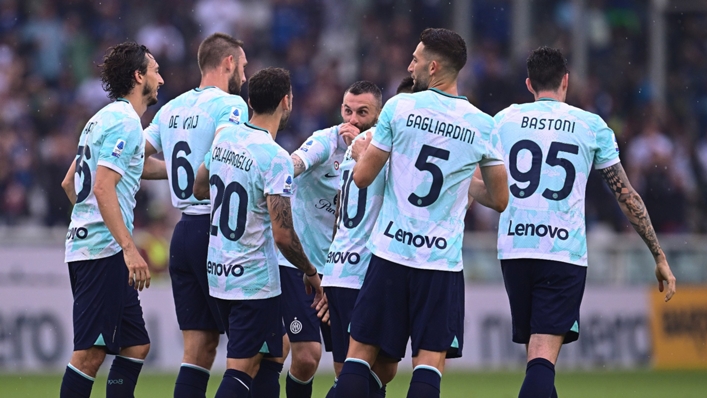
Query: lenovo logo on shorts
pixel 409 238
pixel 77 233
pixel 224 269
pixel 537 230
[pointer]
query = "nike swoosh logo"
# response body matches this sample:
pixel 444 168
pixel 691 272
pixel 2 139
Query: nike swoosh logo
pixel 328 176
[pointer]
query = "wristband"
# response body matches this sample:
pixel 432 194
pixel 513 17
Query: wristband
pixel 312 274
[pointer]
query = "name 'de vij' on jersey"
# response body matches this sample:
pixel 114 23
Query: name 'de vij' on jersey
pixel 315 192
pixel 549 148
pixel 184 129
pixel 113 139
pixel 435 141
pixel 245 166
pixel 348 257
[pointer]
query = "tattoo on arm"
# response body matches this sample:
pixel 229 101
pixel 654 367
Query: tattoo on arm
pixel 298 164
pixel 632 205
pixel 293 252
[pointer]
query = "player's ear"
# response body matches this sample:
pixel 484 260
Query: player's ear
pixel 139 77
pixel 529 86
pixel 228 63
pixel 565 81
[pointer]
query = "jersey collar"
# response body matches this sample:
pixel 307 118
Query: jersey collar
pixel 547 99
pixel 438 91
pixel 254 127
pixel 121 99
pixel 199 89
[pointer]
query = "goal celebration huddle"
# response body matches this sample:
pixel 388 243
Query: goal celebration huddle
pixel 351 244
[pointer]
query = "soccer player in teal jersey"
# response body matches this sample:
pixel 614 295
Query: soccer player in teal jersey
pixel 184 130
pixel 549 148
pixel 103 260
pixel 348 257
pixel 315 192
pixel 250 179
pixel 431 141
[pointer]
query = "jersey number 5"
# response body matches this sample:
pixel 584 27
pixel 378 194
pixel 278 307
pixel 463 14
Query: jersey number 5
pixel 223 195
pixel 437 177
pixel 532 176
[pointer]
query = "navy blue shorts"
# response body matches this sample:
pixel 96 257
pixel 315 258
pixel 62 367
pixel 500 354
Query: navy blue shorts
pixel 196 309
pixel 107 310
pixel 398 302
pixel 341 305
pixel 255 326
pixel 545 297
pixel 298 315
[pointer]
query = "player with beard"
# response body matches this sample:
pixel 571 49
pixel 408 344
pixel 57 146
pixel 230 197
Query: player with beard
pixel 249 177
pixel 105 268
pixel 430 143
pixel 315 193
pixel 184 129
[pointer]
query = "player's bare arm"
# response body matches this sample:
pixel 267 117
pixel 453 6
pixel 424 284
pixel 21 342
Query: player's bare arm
pixel 492 189
pixel 635 210
pixel 154 169
pixel 201 183
pixel 288 242
pixel 359 147
pixel 107 198
pixel 298 164
pixel 68 183
pixel 366 170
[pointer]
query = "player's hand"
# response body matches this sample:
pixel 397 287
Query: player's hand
pixel 314 283
pixel 322 310
pixel 664 274
pixel 138 273
pixel 348 132
pixel 359 147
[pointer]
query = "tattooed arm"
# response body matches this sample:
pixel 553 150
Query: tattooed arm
pixel 299 164
pixel 289 244
pixel 635 210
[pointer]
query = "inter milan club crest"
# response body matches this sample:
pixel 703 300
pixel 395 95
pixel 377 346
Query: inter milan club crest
pixel 296 326
pixel 336 165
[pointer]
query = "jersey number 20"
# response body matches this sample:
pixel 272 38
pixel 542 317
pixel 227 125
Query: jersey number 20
pixel 223 195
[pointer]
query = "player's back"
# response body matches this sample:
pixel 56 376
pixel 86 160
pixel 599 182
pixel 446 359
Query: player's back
pixel 435 141
pixel 245 165
pixel 184 129
pixel 549 148
pixel 111 138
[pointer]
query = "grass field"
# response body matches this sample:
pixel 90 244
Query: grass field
pixel 609 384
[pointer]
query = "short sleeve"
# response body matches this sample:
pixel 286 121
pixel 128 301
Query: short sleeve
pixel 493 155
pixel 383 135
pixel 607 153
pixel 278 178
pixel 316 149
pixel 231 111
pixel 120 143
pixel 152 133
pixel 207 159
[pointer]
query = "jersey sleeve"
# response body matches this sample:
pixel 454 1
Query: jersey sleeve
pixel 383 134
pixel 317 149
pixel 277 179
pixel 607 153
pixel 232 110
pixel 120 143
pixel 152 133
pixel 493 155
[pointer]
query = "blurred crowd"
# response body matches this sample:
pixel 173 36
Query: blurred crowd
pixel 49 85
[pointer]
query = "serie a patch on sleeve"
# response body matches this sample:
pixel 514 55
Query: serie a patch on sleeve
pixel 287 187
pixel 118 148
pixel 235 116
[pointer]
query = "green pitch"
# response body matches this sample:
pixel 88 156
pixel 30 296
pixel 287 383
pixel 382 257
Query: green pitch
pixel 608 384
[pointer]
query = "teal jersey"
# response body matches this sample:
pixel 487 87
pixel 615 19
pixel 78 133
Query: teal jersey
pixel 315 193
pixel 112 138
pixel 549 148
pixel 348 258
pixel 435 141
pixel 245 166
pixel 184 129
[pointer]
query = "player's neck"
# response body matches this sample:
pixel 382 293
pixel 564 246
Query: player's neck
pixel 271 123
pixel 550 95
pixel 214 80
pixel 445 86
pixel 138 101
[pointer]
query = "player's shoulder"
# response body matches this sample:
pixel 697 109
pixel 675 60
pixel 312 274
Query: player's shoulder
pixel 593 120
pixel 119 114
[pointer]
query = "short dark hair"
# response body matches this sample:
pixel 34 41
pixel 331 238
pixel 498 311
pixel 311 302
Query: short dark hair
pixel 446 44
pixel 405 85
pixel 119 65
pixel 266 89
pixel 546 68
pixel 215 48
pixel 363 87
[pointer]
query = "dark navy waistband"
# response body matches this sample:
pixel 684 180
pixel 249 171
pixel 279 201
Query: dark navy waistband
pixel 194 217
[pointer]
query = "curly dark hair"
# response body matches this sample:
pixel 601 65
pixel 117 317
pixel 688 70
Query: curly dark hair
pixel 446 44
pixel 119 64
pixel 266 89
pixel 546 68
